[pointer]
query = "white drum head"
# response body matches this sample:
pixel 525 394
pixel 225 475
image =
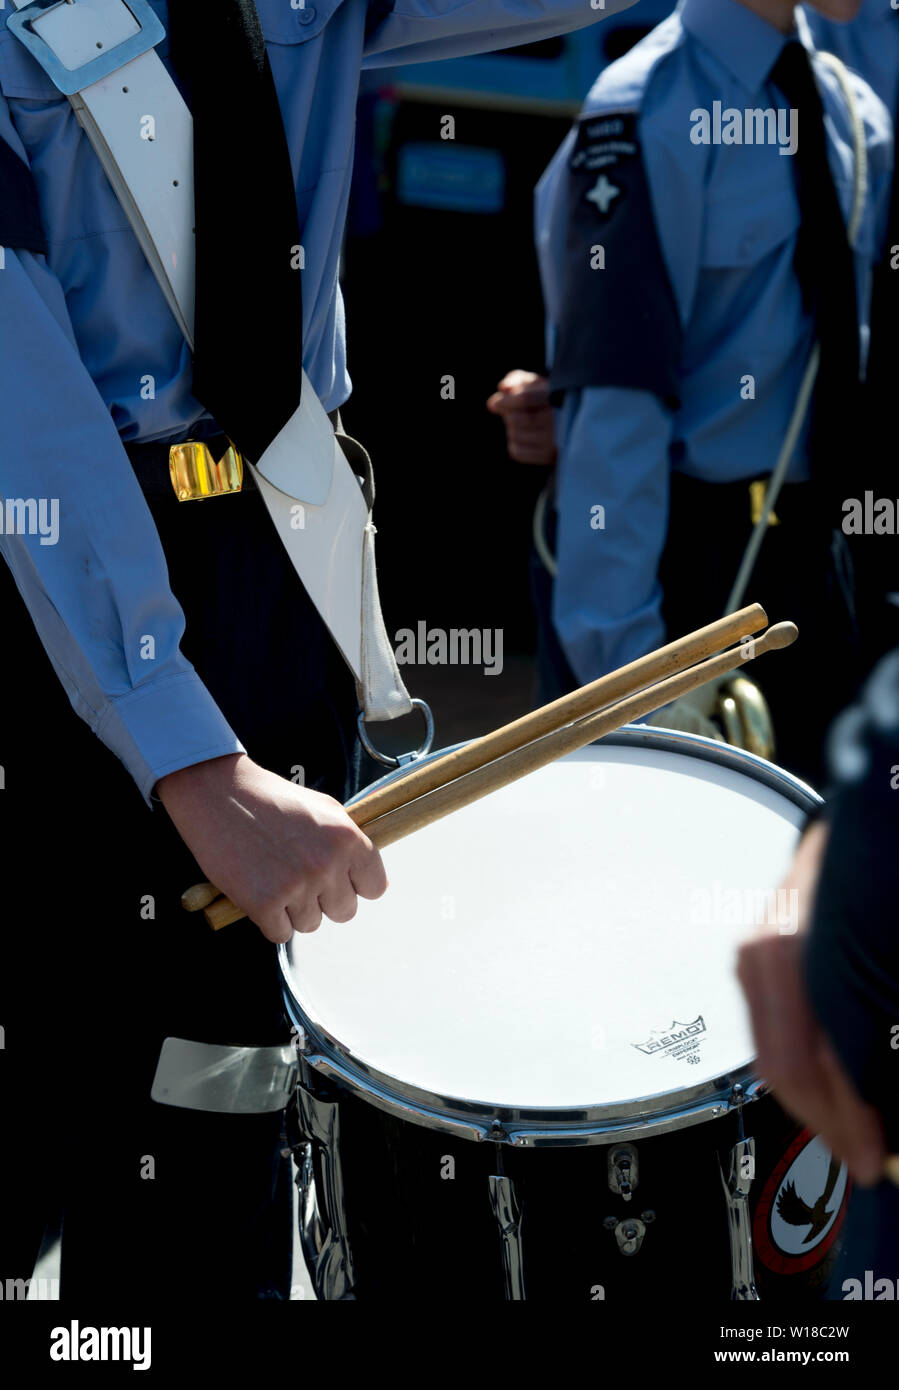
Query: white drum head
pixel 568 942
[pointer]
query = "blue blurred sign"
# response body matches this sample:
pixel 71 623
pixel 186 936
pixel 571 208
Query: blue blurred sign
pixel 457 178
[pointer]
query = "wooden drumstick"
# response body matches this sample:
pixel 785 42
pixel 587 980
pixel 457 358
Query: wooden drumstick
pixel 617 685
pixel 608 690
pixel 452 796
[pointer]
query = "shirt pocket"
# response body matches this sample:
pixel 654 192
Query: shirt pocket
pixel 21 75
pixel 283 23
pixel 743 230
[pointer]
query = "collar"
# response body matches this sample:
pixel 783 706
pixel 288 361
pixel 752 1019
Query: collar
pixel 747 45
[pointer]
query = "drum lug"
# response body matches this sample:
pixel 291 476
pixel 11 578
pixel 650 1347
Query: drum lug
pixel 507 1213
pixel 737 1182
pixel 624 1170
pixel 629 1234
pixel 745 1095
pixel 315 1126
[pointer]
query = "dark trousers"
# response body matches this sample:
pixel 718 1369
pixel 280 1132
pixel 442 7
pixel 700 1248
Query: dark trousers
pixel 795 577
pixel 157 1202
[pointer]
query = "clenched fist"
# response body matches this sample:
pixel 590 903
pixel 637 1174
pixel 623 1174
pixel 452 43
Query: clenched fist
pixel 522 400
pixel 286 855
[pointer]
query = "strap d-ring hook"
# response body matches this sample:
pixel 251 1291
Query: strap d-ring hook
pixel 402 758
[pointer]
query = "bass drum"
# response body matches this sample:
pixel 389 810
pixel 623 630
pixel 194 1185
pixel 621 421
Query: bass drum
pixel 527 1070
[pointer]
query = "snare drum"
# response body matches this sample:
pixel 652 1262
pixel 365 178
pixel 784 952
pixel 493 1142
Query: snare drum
pixel 527 1070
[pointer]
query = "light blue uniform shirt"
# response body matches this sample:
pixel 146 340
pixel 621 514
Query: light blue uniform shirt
pixel 727 219
pixel 869 45
pixel 90 354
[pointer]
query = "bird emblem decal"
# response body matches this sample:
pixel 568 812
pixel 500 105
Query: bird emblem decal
pixel 795 1211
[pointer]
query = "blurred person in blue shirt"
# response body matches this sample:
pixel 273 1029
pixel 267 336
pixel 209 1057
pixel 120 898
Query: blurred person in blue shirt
pixel 682 300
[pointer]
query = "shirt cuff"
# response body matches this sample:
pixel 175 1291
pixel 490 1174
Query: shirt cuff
pixel 164 726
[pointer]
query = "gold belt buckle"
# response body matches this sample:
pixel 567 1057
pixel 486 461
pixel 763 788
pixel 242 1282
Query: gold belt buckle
pixel 757 491
pixel 196 475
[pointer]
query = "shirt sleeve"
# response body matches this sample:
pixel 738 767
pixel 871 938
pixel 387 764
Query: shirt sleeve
pixel 417 31
pixel 615 375
pixel 82 545
pixel 612 500
pixel 619 322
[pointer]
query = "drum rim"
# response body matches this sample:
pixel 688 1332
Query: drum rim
pixel 660 1112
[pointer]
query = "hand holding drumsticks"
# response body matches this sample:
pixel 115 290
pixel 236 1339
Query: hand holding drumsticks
pixel 288 854
pixel 446 784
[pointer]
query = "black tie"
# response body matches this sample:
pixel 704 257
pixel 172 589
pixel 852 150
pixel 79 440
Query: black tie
pixel 826 270
pixel 249 316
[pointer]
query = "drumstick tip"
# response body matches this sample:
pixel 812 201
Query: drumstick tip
pixel 199 896
pixel 777 637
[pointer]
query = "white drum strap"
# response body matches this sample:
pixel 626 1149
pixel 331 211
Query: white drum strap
pixel 142 133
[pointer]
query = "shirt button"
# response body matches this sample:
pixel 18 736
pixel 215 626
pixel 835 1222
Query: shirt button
pixel 307 14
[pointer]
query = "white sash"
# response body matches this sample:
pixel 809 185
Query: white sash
pixel 100 53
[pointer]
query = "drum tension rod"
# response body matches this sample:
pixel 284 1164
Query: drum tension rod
pixel 736 1102
pixel 507 1213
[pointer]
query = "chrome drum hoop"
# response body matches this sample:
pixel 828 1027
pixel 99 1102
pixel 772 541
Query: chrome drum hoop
pixel 792 788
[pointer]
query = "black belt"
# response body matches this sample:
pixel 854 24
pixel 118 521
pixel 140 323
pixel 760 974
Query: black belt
pixel 744 498
pixel 150 462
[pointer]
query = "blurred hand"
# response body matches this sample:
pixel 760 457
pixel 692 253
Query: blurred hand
pixel 692 714
pixel 284 854
pixel 794 1055
pixel 522 400
pixel 687 718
